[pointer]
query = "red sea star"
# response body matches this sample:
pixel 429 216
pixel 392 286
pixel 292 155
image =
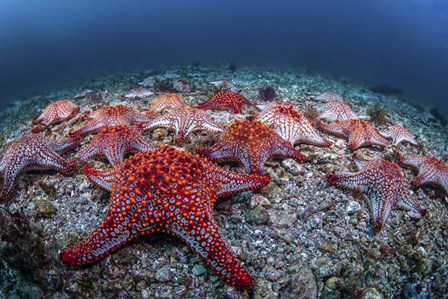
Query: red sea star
pixel 358 132
pixel 399 134
pixel 184 120
pixel 33 152
pixel 167 191
pixel 115 141
pixel 383 185
pixel 291 125
pixel 165 101
pixel 336 111
pixel 56 112
pixel 225 99
pixel 431 171
pixel 111 116
pixel 251 143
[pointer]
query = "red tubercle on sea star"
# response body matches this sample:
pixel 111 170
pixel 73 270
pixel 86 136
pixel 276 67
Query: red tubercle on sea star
pixel 167 191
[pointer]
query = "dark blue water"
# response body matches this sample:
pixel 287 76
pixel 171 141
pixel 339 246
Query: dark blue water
pixel 48 43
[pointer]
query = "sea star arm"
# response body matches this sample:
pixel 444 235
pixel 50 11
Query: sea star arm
pixel 284 149
pixel 412 161
pixel 62 146
pixel 414 210
pixel 91 150
pixel 113 232
pixel 142 145
pixel 2 165
pixel 93 126
pixel 101 178
pixel 205 239
pixel 139 117
pixel 338 129
pixel 231 182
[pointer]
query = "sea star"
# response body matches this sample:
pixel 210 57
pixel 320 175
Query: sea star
pixel 383 185
pixel 329 96
pixel 167 191
pixel 291 124
pixel 431 170
pixel 165 101
pixel 33 152
pixel 251 143
pixel 358 132
pixel 114 142
pixel 184 120
pixel 225 99
pixel 399 134
pixel 111 116
pixel 56 112
pixel 336 111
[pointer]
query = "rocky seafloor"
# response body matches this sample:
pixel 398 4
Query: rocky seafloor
pixel 298 237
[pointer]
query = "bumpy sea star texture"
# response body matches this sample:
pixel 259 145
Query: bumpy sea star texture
pixel 336 111
pixel 114 142
pixel 358 132
pixel 399 134
pixel 431 170
pixel 384 187
pixel 165 101
pixel 184 120
pixel 291 124
pixel 227 100
pixel 56 112
pixel 33 152
pixel 329 96
pixel 168 191
pixel 251 143
pixel 111 116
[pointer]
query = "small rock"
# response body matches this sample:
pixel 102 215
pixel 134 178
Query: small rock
pixel 44 206
pixel 371 293
pixel 325 246
pixel 332 282
pixel 282 219
pixel 182 86
pixel 163 274
pixel 258 215
pixel 353 207
pixel 198 270
pixel 292 166
pixel 259 200
pixel 148 82
pixel 159 134
pixel 303 283
pixel 138 93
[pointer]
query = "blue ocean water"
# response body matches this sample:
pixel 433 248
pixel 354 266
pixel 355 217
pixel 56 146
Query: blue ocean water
pixel 401 44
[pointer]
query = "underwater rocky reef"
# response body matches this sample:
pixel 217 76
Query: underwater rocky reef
pixel 222 182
